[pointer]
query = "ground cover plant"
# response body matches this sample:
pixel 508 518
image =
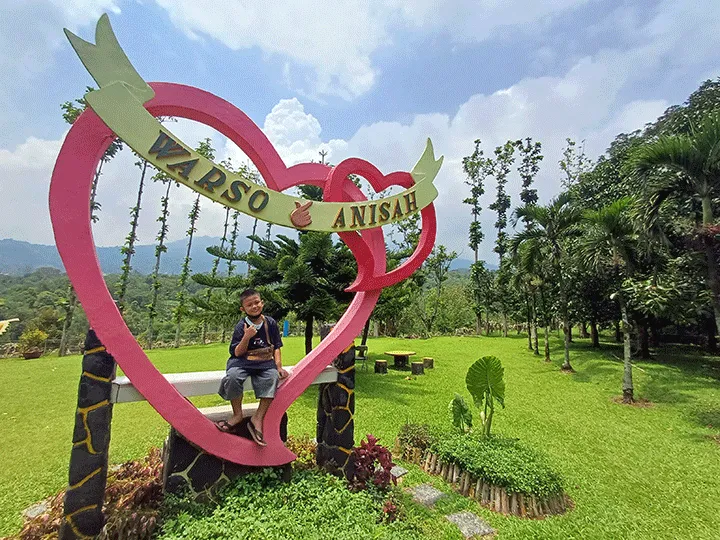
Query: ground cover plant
pixel 313 505
pixel 501 461
pixel 633 472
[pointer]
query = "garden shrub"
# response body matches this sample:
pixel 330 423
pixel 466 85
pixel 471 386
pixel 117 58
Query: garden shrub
pixel 313 505
pixel 417 436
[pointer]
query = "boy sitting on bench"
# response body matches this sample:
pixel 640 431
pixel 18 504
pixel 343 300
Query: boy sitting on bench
pixel 254 353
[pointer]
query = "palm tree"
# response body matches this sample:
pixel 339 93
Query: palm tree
pixel 555 225
pixel 690 169
pixel 610 243
pixel 532 270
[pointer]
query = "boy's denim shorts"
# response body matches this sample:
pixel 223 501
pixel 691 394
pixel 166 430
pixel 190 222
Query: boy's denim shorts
pixel 264 382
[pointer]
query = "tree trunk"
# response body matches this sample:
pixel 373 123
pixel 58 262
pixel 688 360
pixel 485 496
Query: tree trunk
pixel 712 263
pixel 583 330
pixel 308 334
pixel 566 330
pixel 594 336
pixel 478 324
pixel 711 342
pixel 252 243
pixel 366 330
pixel 93 192
pixel 487 323
pixel 618 334
pixel 533 306
pixel 156 281
pixel 529 323
pixel 654 333
pixel 569 332
pixel 547 342
pixel 505 324
pixel 70 310
pixel 186 269
pixel 644 339
pixel 627 386
pixel 132 237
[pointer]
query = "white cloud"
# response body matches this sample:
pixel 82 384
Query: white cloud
pixel 30 33
pixel 594 99
pixel 24 186
pixel 31 30
pixel 337 43
pixel 25 183
pixel 585 103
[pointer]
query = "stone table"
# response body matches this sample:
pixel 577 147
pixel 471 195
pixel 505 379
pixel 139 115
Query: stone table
pixel 400 358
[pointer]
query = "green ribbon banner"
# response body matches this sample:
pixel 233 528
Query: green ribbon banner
pixel 119 103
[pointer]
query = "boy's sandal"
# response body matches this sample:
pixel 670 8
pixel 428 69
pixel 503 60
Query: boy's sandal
pixel 225 426
pixel 256 435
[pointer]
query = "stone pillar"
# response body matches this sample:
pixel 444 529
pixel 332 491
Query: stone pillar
pixel 335 418
pixel 82 507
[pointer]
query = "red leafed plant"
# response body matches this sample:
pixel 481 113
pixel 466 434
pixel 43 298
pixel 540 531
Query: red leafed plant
pixel 373 463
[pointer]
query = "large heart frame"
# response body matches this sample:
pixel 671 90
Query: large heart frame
pixel 70 189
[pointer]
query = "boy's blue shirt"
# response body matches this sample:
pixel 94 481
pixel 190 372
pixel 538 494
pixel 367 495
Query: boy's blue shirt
pixel 257 342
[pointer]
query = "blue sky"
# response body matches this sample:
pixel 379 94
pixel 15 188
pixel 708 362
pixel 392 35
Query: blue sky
pixel 370 79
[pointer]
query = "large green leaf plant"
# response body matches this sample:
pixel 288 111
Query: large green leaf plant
pixel 486 384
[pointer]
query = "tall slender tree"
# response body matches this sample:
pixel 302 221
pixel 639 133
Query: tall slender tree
pixel 611 244
pixel 476 169
pixel 205 149
pixel 504 158
pixel 530 158
pixel 128 248
pixel 160 248
pixel 574 163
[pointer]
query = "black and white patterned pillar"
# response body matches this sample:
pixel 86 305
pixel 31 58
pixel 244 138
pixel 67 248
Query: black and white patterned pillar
pixel 83 517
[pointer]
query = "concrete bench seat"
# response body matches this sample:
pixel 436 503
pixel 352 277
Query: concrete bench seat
pixel 198 383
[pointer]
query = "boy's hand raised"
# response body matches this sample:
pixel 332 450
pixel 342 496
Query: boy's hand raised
pixel 250 331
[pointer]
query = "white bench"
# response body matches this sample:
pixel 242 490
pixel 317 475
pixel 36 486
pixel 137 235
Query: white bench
pixel 199 383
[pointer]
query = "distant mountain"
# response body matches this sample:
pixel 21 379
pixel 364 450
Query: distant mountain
pixel 18 257
pixel 460 264
pixel 465 264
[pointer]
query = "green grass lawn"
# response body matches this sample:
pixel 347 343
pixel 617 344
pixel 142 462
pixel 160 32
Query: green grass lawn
pixel 634 472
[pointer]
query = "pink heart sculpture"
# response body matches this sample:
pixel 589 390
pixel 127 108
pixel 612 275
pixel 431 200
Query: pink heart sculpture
pixel 369 278
pixel 70 189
